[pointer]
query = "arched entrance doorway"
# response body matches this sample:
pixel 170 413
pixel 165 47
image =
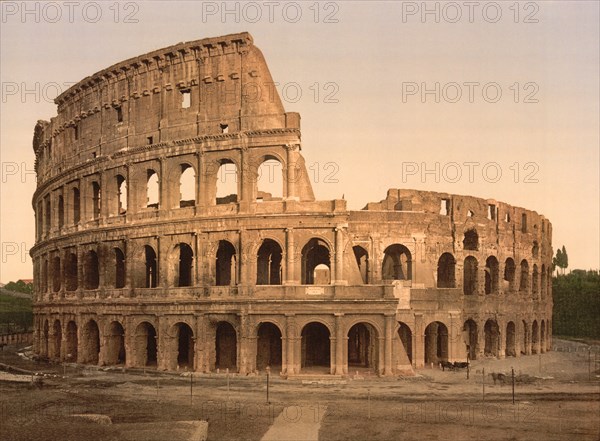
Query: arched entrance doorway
pixel 268 347
pixel 226 347
pixel 436 343
pixel 362 347
pixel 316 347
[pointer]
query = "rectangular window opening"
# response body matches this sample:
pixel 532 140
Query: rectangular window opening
pixel 492 212
pixel 150 140
pixel 119 114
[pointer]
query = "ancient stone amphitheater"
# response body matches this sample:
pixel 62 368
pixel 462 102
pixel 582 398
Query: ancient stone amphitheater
pixel 131 269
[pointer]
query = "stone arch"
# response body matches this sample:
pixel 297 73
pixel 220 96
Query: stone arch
pixel 72 342
pixel 45 275
pixel 446 271
pixel 511 347
pixel 227 182
pixel 524 278
pixel 397 263
pixel 362 261
pixel 119 267
pixel 542 337
pixel 363 346
pixel 91 270
pixel 492 338
pixel 90 343
pixel 56 340
pixel 115 344
pixel 525 339
pixel 45 351
pixel 184 267
pixel 270 182
pixel 184 345
pixel 268 263
pixel 436 343
pixel 225 346
pixel 492 269
pixel 315 346
pixel 316 252
pixel 535 337
pixel 145 344
pixel 471 331
pixel 187 185
pixel 121 198
pixel 269 346
pixel 509 273
pixel 226 264
pixel 151 267
pixel 470 279
pixel 71 283
pixel 152 189
pixel 471 240
pixel 405 334
pixel 76 200
pixel 535 282
pixel 56 278
pixel 543 282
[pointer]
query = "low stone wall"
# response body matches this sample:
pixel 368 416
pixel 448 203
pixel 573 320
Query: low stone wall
pixel 21 337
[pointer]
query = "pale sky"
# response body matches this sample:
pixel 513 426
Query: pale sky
pixel 373 63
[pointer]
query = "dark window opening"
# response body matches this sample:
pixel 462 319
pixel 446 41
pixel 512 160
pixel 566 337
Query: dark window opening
pixel 185 346
pixel 471 240
pixel 524 223
pixel 91 270
pixel 524 282
pixel 405 335
pixel 150 140
pixel 492 210
pixel 535 281
pixel 491 275
pixel 436 343
pixel 470 328
pixel 362 260
pixel 492 338
pixel 119 114
pixel 71 272
pixel 186 259
pixel 268 264
pixel 96 199
pixel 226 264
pixel 315 349
pixel 535 249
pixel 509 273
pixel 224 128
pixel 119 268
pixel 151 267
pixel 76 132
pixel 362 346
pixel 316 263
pixel 268 347
pixel 470 276
pixel 397 263
pixel 61 212
pixel 56 276
pixel 226 347
pixel 446 271
pixel 76 206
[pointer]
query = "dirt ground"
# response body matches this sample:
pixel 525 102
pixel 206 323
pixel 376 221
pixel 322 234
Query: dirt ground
pixel 559 401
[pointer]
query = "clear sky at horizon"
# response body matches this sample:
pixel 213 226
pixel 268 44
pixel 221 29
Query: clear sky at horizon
pixel 369 124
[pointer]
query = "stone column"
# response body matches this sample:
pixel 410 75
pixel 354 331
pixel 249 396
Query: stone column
pixel 339 344
pixel 244 350
pixel 290 337
pixel 291 171
pixel 290 257
pixel 389 330
pixel 339 257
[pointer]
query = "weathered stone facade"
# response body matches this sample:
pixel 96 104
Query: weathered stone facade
pixel 249 280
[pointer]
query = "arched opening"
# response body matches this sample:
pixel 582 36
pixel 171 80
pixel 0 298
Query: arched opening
pixel 315 348
pixel 185 346
pixel 187 186
pixel 91 270
pixel 227 183
pixel 119 268
pixel 226 347
pixel 491 275
pixel 542 337
pixel 54 352
pixel 436 343
pixel 268 347
pixel 492 338
pixel 471 338
pixel 525 344
pixel 268 263
pixel 115 340
pixel 71 272
pixel 152 189
pixel 61 211
pixel 405 335
pixel 56 277
pixel 96 199
pixel 535 337
pixel 543 282
pixel 446 271
pixel 91 343
pixel 362 260
pixel 509 273
pixel 470 276
pixel 45 276
pixel 185 265
pixel 151 267
pixel 76 206
pixel 397 263
pixel 145 345
pixel 535 249
pixel 524 280
pixel 471 240
pixel 226 264
pixel 269 180
pixel 511 349
pixel 45 339
pixel 362 346
pixel 71 349
pixel 535 275
pixel 121 195
pixel 315 253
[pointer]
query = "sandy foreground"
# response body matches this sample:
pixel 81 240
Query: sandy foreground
pixel 559 399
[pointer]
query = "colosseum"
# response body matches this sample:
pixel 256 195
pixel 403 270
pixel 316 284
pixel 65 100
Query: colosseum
pixel 132 270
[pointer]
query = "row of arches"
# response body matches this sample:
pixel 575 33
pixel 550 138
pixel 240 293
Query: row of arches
pixel 539 282
pixel 224 183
